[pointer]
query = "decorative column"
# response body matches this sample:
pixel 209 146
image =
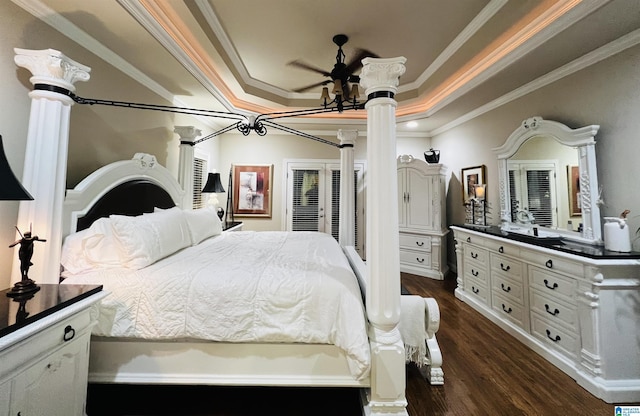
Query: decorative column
pixel 379 77
pixel 347 220
pixel 45 165
pixel 185 166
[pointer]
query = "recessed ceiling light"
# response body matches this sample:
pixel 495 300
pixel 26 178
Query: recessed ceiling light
pixel 412 124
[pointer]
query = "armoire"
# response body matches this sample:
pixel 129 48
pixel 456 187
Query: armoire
pixel 422 217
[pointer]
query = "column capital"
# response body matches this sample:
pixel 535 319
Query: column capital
pixel 187 133
pixel 381 74
pixel 51 67
pixel 347 137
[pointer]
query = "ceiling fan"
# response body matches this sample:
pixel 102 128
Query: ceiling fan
pixel 342 73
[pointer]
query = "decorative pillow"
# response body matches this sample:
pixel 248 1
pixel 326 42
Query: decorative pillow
pixel 145 239
pixel 203 223
pixel 94 247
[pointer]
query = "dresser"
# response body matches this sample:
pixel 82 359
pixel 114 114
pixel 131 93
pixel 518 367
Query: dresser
pixel 44 350
pixel 576 305
pixel 422 217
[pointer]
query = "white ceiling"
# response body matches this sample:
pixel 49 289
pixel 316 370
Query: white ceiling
pixel 463 56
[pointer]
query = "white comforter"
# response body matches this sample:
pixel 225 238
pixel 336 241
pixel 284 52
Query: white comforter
pixel 241 287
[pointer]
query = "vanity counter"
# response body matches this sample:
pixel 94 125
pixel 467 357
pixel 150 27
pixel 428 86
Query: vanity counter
pixel 591 251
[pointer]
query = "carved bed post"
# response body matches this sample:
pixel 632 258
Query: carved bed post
pixel 379 77
pixel 346 226
pixel 185 164
pixel 45 165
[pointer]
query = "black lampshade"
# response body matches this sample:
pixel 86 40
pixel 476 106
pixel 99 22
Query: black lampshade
pixel 10 187
pixel 213 184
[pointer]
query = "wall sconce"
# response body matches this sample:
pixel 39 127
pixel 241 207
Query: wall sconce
pixel 214 186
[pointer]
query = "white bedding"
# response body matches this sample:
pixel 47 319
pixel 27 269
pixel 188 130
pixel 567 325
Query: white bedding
pixel 241 287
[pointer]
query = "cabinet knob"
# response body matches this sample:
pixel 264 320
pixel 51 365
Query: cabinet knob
pixel 554 339
pixel 507 310
pixel 419 260
pixel 505 268
pixel 552 287
pixel 468 239
pixel 474 290
pixel 69 333
pixel 419 243
pixel 549 311
pixel 549 264
pixel 501 249
pixel 505 288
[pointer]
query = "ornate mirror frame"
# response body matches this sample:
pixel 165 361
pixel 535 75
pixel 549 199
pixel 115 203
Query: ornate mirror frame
pixel 583 139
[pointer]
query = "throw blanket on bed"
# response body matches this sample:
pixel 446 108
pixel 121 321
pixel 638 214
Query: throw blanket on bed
pixel 241 287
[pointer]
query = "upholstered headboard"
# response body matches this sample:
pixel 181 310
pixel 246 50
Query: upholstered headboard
pixel 130 187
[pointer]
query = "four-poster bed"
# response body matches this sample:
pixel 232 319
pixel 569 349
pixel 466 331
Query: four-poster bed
pixel 252 363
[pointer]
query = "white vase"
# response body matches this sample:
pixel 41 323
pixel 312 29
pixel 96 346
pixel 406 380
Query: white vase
pixel 616 235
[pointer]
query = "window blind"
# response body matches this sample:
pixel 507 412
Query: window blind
pixel 198 171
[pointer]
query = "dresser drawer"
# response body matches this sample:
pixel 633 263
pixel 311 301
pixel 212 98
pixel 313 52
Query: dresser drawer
pixel 508 288
pixel 468 238
pixel 415 242
pixel 563 340
pixel 503 248
pixel 555 311
pixel 506 267
pixel 415 258
pixel 476 271
pixel 476 254
pixel 553 263
pixel 507 308
pixel 477 289
pixel 553 285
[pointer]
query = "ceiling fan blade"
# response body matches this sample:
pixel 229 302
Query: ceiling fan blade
pixel 308 67
pixel 309 87
pixel 356 61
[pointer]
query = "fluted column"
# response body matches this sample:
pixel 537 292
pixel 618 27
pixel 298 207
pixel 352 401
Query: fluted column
pixel 45 165
pixel 380 77
pixel 185 167
pixel 346 225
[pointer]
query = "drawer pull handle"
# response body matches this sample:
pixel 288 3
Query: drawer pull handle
pixel 556 339
pixel 419 243
pixel 475 273
pixel 506 269
pixel 474 255
pixel 552 287
pixel 501 249
pixel 506 289
pixel 474 290
pixel 504 308
pixel 419 260
pixel 69 333
pixel 549 264
pixel 468 239
pixel 555 311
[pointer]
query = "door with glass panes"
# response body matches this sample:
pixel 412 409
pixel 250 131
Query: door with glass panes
pixel 313 198
pixel 533 192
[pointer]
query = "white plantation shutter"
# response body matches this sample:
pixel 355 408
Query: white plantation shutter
pixel 198 182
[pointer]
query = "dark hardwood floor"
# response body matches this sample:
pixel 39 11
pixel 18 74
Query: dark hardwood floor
pixel 487 372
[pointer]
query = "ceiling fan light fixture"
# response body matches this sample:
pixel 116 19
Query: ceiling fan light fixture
pixel 355 92
pixel 325 95
pixel 337 87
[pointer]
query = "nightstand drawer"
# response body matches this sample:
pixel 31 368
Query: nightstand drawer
pixel 477 290
pixel 415 242
pixel 553 263
pixel 476 271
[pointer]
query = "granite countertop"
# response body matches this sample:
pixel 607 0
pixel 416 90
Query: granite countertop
pixel 556 243
pixel 17 313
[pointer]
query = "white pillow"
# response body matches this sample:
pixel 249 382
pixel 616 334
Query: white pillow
pixel 145 239
pixel 203 223
pixel 94 247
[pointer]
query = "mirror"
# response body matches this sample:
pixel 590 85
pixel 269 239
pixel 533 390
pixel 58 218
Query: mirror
pixel 548 178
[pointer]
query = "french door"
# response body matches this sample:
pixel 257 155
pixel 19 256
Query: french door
pixel 313 198
pixel 533 192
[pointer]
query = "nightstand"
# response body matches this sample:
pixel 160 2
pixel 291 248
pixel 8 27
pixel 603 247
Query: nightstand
pixel 232 226
pixel 44 350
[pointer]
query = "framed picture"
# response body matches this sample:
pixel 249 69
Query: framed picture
pixel 573 177
pixel 252 190
pixel 470 178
